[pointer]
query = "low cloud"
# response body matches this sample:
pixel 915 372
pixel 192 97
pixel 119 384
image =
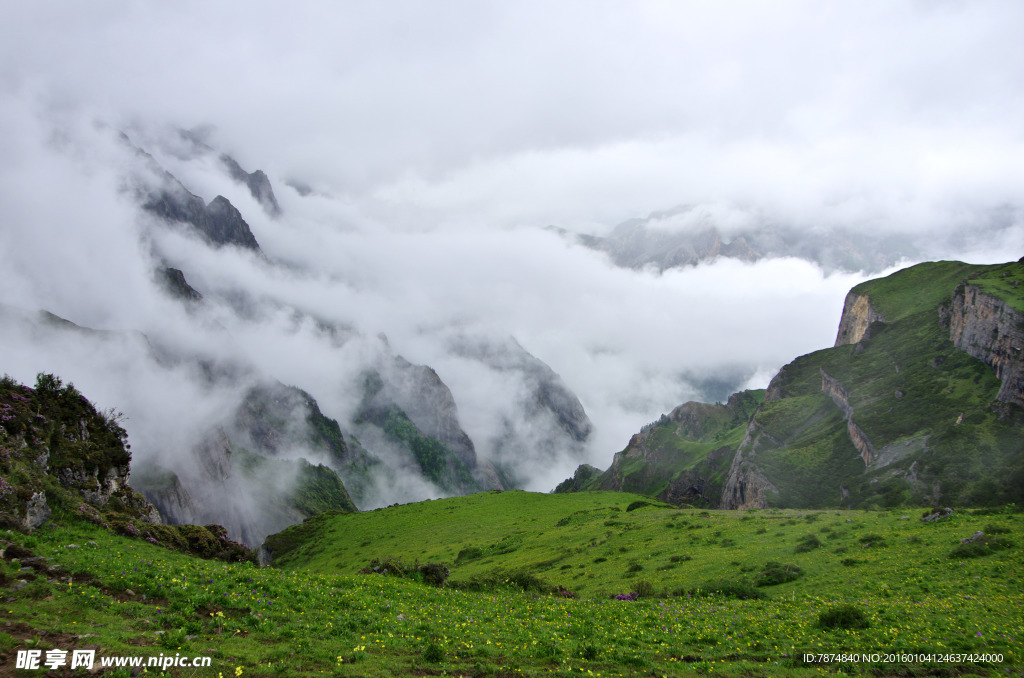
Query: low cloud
pixel 438 143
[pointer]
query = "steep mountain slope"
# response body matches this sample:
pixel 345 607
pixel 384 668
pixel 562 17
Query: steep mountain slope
pixel 898 411
pixel 212 329
pixel 681 458
pixel 275 462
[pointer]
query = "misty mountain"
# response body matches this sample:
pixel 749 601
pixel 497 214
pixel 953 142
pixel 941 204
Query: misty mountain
pixel 693 234
pixel 259 454
pixel 921 400
pixel 547 417
pixel 257 182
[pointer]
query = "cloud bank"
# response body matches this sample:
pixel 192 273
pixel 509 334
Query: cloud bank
pixel 418 153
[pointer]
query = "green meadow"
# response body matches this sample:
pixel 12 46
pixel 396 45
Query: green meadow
pixel 531 591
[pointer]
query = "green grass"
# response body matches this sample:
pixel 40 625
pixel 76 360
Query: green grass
pixel 1003 282
pixel 317 617
pixel 916 288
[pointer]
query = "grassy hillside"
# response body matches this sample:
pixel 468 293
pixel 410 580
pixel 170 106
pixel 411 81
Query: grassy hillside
pixel 682 457
pixel 902 417
pixel 923 405
pixel 905 579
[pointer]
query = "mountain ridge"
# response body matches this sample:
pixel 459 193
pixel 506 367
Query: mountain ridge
pixel 925 365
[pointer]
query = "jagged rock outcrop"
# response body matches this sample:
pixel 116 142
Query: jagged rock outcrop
pixel 160 193
pixel 173 281
pixel 37 512
pixel 164 490
pixel 218 222
pixel 841 397
pixel 991 330
pixel 51 432
pixel 855 323
pixel 257 183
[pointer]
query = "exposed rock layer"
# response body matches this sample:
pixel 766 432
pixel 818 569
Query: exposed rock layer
pixel 855 323
pixel 990 330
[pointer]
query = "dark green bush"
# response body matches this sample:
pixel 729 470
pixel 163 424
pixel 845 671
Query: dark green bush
pixel 644 588
pixel 435 574
pixel 982 547
pixel 777 573
pixel 728 588
pixel 843 616
pixel 433 652
pixel 872 540
pixel 808 542
pixel 995 529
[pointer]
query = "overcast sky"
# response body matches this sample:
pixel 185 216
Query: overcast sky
pixel 439 137
pixel 580 113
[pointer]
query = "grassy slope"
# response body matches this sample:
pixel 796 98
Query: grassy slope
pixel 310 620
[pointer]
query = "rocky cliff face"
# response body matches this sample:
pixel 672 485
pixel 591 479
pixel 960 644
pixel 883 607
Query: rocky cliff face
pixel 161 194
pixel 991 330
pixel 174 283
pixel 746 485
pixel 546 420
pixel 52 432
pixel 428 402
pixel 855 323
pixel 841 397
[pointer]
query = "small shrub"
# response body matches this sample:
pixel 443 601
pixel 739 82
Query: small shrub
pixel 600 560
pixel 635 567
pixel 728 588
pixel 644 589
pixel 679 559
pixel 435 574
pixel 981 547
pixel 433 652
pixel 995 529
pixel 843 616
pixel 588 652
pixel 872 540
pixel 469 553
pixel 850 562
pixel 808 542
pixel 777 573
